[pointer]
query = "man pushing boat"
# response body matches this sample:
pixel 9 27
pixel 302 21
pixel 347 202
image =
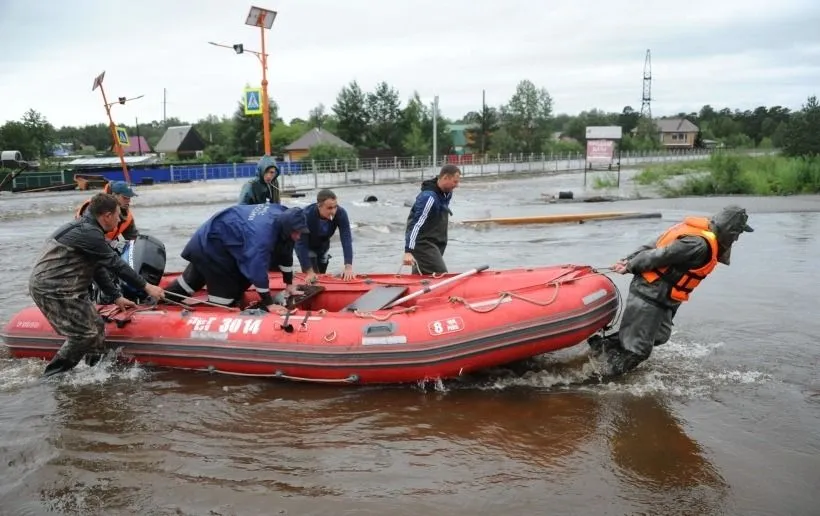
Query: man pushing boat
pixel 61 278
pixel 323 218
pixel 666 271
pixel 234 249
pixel 425 236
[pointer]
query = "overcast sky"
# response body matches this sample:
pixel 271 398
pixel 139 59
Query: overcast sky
pixel 735 53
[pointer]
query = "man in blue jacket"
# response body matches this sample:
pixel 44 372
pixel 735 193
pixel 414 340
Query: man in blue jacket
pixel 264 188
pixel 323 218
pixel 233 250
pixel 425 236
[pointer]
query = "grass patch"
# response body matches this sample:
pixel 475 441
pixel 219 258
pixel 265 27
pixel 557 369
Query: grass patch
pixel 658 174
pixel 608 180
pixel 763 175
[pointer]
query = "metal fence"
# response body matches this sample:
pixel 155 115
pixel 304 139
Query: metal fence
pixel 336 173
pixel 312 174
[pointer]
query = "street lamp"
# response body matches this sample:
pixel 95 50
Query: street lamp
pixel 98 83
pixel 262 18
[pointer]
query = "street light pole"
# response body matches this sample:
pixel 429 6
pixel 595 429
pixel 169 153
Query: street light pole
pixel 262 18
pixel 98 83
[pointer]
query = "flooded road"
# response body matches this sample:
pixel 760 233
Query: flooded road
pixel 723 419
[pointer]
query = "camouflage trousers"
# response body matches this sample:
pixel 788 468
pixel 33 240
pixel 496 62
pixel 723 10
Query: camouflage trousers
pixel 77 320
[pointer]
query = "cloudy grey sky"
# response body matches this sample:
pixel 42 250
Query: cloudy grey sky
pixel 735 53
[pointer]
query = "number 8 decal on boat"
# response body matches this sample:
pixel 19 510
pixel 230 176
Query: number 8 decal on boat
pixel 443 326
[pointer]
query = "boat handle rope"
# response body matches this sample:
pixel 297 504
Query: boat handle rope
pixel 504 294
pixel 353 378
pixel 387 316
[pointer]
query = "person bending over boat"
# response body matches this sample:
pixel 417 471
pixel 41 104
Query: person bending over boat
pixel 425 236
pixel 666 271
pixel 61 278
pixel 234 248
pixel 264 188
pixel 323 218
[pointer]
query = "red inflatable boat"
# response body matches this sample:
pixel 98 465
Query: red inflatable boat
pixel 380 328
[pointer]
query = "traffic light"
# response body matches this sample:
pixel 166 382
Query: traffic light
pixel 239 48
pixel 122 100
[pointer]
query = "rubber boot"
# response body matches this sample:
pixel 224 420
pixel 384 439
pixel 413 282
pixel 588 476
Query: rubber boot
pixel 59 365
pixel 92 359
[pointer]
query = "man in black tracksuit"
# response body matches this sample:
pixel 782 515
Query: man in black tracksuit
pixel 426 233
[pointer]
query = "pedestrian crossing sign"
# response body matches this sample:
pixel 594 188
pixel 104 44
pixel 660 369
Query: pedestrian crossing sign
pixel 253 101
pixel 122 136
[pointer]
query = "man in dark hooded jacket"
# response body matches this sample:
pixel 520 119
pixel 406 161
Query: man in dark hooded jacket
pixel 425 236
pixel 264 188
pixel 234 248
pixel 666 271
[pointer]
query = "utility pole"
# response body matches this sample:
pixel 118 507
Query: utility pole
pixel 483 120
pixel 164 104
pixel 139 142
pixel 435 132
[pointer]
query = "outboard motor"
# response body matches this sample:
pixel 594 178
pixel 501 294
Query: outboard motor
pixel 146 255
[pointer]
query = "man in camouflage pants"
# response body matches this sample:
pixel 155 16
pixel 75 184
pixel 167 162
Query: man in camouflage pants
pixel 74 256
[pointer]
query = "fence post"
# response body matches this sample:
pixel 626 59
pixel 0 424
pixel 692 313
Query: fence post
pixel 205 172
pixel 375 166
pixel 171 173
pixel 234 170
pixel 315 173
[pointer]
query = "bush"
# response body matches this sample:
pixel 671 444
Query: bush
pixel 766 175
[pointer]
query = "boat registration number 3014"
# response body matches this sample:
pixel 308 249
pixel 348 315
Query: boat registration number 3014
pixel 225 325
pixel 442 326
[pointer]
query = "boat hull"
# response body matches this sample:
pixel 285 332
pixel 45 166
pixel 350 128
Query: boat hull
pixel 488 319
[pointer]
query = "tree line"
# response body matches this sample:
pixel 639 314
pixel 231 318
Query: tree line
pixel 377 123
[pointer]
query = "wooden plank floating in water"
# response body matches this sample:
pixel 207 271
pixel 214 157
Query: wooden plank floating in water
pixel 565 217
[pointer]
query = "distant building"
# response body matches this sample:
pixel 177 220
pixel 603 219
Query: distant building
pixel 462 135
pixel 182 142
pixel 137 145
pixel 301 146
pixel 676 133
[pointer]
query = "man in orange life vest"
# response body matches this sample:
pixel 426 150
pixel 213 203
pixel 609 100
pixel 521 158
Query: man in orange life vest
pixel 666 271
pixel 126 227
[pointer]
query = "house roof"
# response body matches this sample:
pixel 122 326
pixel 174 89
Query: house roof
pixel 676 125
pixel 315 136
pixel 129 160
pixel 136 144
pixel 180 138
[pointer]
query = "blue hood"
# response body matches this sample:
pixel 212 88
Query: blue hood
pixel 292 219
pixel 265 163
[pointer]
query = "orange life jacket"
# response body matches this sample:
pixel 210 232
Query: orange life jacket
pixel 691 226
pixel 114 233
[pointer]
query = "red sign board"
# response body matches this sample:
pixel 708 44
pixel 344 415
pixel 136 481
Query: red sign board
pixel 600 150
pixel 444 326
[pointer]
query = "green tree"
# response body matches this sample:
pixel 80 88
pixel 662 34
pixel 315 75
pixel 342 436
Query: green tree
pixel 802 135
pixel 487 121
pixel 40 131
pixel 528 116
pixel 352 114
pixel 384 114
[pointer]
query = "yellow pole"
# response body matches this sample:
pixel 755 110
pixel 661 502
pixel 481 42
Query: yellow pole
pixel 113 128
pixel 265 107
